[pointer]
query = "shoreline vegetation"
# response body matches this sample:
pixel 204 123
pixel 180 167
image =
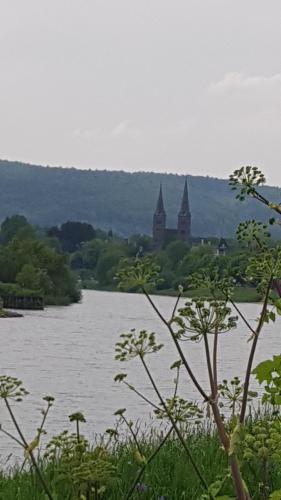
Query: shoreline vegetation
pixel 167 477
pixel 241 294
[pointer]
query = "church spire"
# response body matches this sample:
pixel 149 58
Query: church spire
pixel 184 217
pixel 184 210
pixel 160 204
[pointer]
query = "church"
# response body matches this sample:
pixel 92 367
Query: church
pixel 161 233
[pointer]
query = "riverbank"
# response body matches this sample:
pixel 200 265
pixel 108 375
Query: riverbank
pixel 9 314
pixel 242 294
pixel 113 471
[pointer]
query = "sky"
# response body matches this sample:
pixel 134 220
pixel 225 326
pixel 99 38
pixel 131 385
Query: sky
pixel 181 86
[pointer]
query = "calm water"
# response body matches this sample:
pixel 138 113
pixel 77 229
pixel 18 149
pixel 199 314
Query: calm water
pixel 69 353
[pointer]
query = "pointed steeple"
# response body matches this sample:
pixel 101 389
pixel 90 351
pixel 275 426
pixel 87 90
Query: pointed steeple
pixel 184 210
pixel 160 205
pixel 184 217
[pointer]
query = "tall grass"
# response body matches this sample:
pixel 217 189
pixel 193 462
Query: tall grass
pixel 169 476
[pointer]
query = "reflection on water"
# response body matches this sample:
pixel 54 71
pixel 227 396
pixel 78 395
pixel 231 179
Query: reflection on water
pixel 68 353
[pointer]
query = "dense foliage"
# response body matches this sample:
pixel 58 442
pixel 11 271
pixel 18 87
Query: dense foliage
pixel 98 260
pixel 29 266
pixel 123 202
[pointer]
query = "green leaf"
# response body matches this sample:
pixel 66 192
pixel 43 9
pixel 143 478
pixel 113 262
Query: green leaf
pixel 276 495
pixel 263 371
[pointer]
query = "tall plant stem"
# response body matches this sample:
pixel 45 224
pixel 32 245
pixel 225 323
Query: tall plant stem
pixel 141 395
pixel 150 458
pixel 252 352
pixel 179 349
pixel 209 365
pixel 242 316
pixel 235 470
pixel 12 437
pixel 32 458
pixel 175 307
pixel 236 474
pixel 77 431
pixel 175 427
pixel 215 363
pixel 135 439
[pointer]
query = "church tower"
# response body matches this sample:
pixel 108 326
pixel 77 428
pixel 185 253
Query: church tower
pixel 159 222
pixel 184 217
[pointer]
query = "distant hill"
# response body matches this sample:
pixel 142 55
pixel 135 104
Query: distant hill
pixel 121 201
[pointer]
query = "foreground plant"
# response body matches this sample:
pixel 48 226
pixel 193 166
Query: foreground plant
pixel 12 390
pixel 139 345
pixel 208 321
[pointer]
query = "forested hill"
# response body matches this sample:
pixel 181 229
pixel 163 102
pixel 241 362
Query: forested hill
pixel 121 201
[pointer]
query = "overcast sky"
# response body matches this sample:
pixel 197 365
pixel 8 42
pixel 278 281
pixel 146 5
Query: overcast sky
pixel 183 86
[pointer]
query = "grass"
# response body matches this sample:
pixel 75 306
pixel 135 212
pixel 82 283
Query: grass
pixel 241 293
pixel 169 476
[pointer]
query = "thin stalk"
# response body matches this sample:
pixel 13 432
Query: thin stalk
pixel 135 439
pixel 215 363
pixel 35 465
pixel 262 199
pixel 237 479
pixel 44 419
pixel 213 402
pixel 209 365
pixel 236 474
pixel 12 437
pixel 242 317
pixel 176 342
pixel 175 427
pixel 77 431
pixel 177 382
pixel 150 458
pixel 175 307
pixel 252 353
pixel 141 395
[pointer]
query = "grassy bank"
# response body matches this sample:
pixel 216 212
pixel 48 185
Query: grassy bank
pixel 169 476
pixel 241 294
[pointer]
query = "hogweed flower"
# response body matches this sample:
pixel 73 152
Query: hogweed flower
pixel 180 409
pixel 134 345
pixel 77 417
pixel 198 318
pixel 11 388
pixel 245 179
pixel 142 273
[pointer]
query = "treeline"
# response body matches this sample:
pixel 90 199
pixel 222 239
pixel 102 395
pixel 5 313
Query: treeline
pixel 98 260
pixel 120 201
pixel 57 261
pixel 30 264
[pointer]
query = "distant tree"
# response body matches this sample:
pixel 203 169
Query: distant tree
pixel 29 277
pixel 72 234
pixel 139 241
pixel 176 250
pixel 107 266
pixel 12 226
pixel 91 251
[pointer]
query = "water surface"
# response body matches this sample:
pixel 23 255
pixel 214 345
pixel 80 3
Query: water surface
pixel 68 352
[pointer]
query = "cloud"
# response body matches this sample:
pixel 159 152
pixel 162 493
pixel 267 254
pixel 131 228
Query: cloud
pixel 238 81
pixel 79 133
pixel 126 128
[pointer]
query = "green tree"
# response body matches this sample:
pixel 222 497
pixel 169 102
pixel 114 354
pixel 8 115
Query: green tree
pixel 11 227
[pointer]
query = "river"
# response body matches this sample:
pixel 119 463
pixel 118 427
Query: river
pixel 68 352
